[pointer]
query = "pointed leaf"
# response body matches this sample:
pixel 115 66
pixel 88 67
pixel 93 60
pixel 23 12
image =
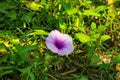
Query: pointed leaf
pixel 65 5
pixel 62 24
pixel 23 51
pixel 6 72
pixel 104 38
pixel 34 6
pixel 101 28
pixel 116 59
pixel 3 11
pixel 90 13
pixel 39 32
pixel 93 26
pixel 83 78
pixel 94 60
pixel 83 37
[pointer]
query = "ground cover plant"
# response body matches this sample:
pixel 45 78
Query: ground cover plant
pixel 59 40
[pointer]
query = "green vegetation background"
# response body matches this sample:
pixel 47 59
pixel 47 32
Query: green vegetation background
pixel 94 26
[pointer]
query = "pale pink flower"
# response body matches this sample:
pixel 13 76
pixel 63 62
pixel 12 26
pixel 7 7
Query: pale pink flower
pixel 59 43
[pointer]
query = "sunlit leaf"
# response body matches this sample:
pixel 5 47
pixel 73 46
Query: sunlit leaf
pixel 77 22
pixel 96 36
pixel 101 8
pixel 72 11
pixel 82 37
pixel 62 24
pixel 34 6
pixel 15 41
pixel 39 32
pixel 68 8
pixel 118 67
pixel 90 13
pixel 3 51
pixel 104 38
pixel 93 26
pixel 82 29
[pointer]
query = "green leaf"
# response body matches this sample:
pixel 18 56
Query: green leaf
pixel 23 51
pixel 72 11
pixel 101 8
pixel 28 71
pixel 82 37
pixel 39 32
pixel 25 70
pixel 34 6
pixel 93 26
pixel 82 29
pixel 12 14
pixel 101 28
pixel 4 59
pixel 62 24
pixel 90 13
pixel 28 17
pixel 31 75
pixel 93 29
pixel 83 78
pixel 15 41
pixel 68 8
pixel 28 48
pixel 96 36
pixel 3 11
pixel 104 38
pixel 2 45
pixel 94 60
pixel 77 22
pixel 65 5
pixel 20 31
pixel 6 67
pixel 5 72
pixel 116 59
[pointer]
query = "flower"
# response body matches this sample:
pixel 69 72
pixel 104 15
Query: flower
pixel 59 43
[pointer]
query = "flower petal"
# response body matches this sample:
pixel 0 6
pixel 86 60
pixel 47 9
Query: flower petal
pixel 59 43
pixel 66 38
pixel 52 47
pixel 53 35
pixel 66 50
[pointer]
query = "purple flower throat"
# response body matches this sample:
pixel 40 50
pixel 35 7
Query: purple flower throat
pixel 59 44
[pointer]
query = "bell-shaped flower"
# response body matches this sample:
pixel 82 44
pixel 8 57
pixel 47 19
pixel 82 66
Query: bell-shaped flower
pixel 59 43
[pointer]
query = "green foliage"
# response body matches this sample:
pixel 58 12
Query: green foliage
pixel 84 78
pixel 116 59
pixel 104 38
pixel 39 32
pixel 95 59
pixel 25 24
pixel 83 37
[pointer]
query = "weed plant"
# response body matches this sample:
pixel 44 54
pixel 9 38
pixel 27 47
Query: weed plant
pixel 93 25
